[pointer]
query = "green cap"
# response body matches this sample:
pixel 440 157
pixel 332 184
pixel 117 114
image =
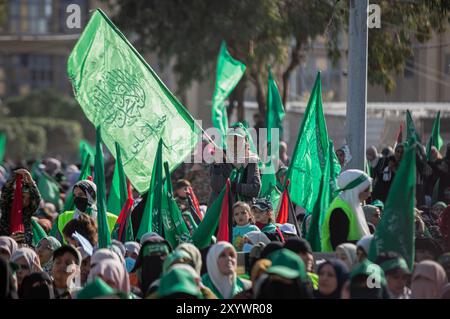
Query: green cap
pixel 178 281
pixel 368 268
pixel 287 264
pixel 378 203
pixel 95 289
pixel 395 263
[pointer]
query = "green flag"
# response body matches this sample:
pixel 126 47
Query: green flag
pixel 335 171
pixel 151 218
pixel 435 137
pixel 275 109
pixel 85 150
pixel 311 153
pixel 410 128
pixel 104 237
pixel 118 191
pixel 228 73
pixel 85 171
pixel 49 189
pixel 118 90
pixel 2 147
pixel 395 231
pixel 38 232
pixel 175 229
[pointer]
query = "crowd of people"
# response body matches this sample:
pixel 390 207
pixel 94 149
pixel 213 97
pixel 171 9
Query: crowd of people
pixel 262 260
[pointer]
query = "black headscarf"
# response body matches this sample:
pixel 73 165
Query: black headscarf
pixel 7 289
pixel 37 285
pixel 342 274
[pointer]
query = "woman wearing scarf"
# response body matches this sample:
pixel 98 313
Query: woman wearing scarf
pixel 30 203
pixel 37 285
pixel 45 248
pixel 27 262
pixel 428 280
pixel 347 253
pixel 332 276
pixel 85 200
pixel 221 277
pixel 7 247
pixel 8 284
pixel 344 220
pixel 113 273
pixel 194 255
pixel 375 161
pixel 240 158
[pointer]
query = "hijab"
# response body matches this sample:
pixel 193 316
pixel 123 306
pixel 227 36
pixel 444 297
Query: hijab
pixel 8 244
pixel 223 283
pixel 351 195
pixel 428 280
pixel 30 256
pixel 364 243
pixel 37 285
pixel 374 162
pixel 194 253
pixel 54 244
pixel 132 247
pixel 350 251
pixel 7 288
pixel 103 254
pixel 112 270
pixel 90 190
pixel 342 275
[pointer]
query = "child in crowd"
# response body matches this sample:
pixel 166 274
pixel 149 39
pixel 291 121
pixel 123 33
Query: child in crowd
pixel 243 224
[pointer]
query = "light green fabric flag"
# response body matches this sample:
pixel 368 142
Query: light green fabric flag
pixel 175 229
pixel 49 189
pixel 311 153
pixel 395 231
pixel 104 237
pixel 85 171
pixel 118 191
pixel 228 73
pixel 275 109
pixel 435 137
pixel 411 128
pixel 335 171
pixel 2 147
pixel 118 90
pixel 151 218
pixel 86 149
pixel 38 232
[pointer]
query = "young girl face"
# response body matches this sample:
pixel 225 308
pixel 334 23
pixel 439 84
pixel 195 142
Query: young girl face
pixel 241 216
pixel 262 217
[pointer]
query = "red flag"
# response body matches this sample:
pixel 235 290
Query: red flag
pixel 224 226
pixel 16 217
pixel 126 210
pixel 193 201
pixel 283 213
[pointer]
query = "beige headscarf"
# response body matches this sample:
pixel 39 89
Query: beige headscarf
pixel 30 256
pixel 428 280
pixel 113 270
pixel 194 253
pixel 8 244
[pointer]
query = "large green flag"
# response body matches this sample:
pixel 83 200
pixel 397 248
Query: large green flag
pixel 275 109
pixel 86 149
pixel 118 191
pixel 435 137
pixel 395 231
pixel 311 153
pixel 151 218
pixel 118 90
pixel 335 171
pixel 2 147
pixel 175 229
pixel 228 73
pixel 411 128
pixel 104 237
pixel 85 171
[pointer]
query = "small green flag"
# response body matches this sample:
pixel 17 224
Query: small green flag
pixel 175 229
pixel 410 128
pixel 395 231
pixel 49 189
pixel 86 149
pixel 85 171
pixel 435 137
pixel 118 191
pixel 151 218
pixel 120 92
pixel 104 237
pixel 2 147
pixel 228 73
pixel 275 109
pixel 38 232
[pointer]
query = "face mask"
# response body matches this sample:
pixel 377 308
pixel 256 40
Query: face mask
pixel 129 263
pixel 247 247
pixel 81 203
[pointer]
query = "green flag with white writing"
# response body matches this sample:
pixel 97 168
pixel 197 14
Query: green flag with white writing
pixel 435 137
pixel 118 90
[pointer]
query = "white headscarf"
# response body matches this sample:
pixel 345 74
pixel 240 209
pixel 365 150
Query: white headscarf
pixel 374 162
pixel 224 284
pixel 351 196
pixel 195 254
pixel 30 256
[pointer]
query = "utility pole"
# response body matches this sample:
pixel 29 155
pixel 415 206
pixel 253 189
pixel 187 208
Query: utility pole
pixel 356 120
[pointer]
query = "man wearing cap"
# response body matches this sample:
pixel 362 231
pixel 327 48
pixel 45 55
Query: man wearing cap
pixel 397 274
pixel 248 182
